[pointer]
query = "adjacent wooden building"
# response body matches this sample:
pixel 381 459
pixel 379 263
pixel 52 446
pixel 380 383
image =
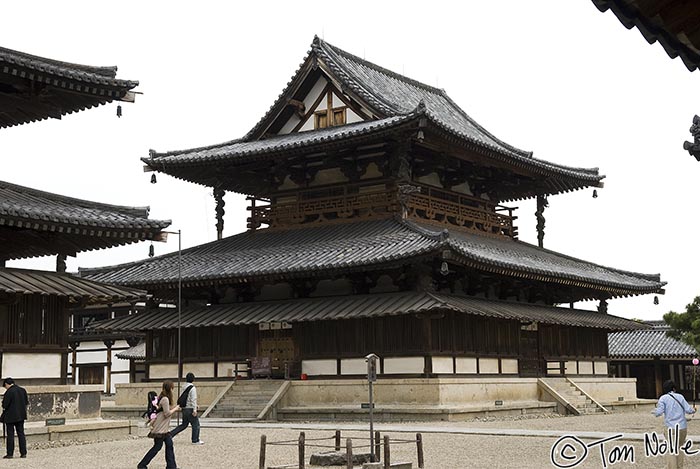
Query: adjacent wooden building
pixel 38 309
pixel 652 356
pixel 380 220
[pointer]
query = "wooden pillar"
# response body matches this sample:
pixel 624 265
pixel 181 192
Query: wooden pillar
pixel 539 214
pixel 427 346
pixel 61 263
pixel 657 377
pixel 74 362
pixel 219 197
pixel 109 343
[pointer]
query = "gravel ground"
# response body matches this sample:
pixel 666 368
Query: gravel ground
pixel 239 447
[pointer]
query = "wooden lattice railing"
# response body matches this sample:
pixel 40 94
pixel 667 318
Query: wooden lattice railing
pixel 434 205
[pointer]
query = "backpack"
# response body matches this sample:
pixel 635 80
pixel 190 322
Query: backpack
pixel 182 400
pixel 153 407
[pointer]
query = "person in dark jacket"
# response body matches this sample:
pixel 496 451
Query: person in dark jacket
pixel 14 413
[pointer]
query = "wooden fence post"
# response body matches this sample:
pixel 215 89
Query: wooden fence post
pixel 419 445
pixel 387 452
pixel 377 446
pixel 261 464
pixel 348 454
pixel 337 440
pixel 302 440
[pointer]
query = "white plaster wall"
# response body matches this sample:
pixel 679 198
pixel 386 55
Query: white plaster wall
pixel 328 176
pixel 488 365
pixel 319 367
pixel 601 368
pixel 372 171
pixel 200 370
pixel 31 365
pixel 585 368
pixel 118 379
pixel 509 365
pixel 353 366
pixel 289 125
pixel 311 97
pixel 404 365
pixel 164 370
pixel 465 365
pixel 308 125
pixel 278 291
pixel 332 287
pixel 227 370
pixel 431 179
pixel 570 368
pixel 119 364
pixel 553 368
pixel 91 357
pixel 442 365
pixel 351 117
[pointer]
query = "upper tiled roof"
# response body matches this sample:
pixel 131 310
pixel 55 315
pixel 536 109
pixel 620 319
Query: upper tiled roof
pixel 394 98
pixel 76 289
pixel 59 87
pixel 359 306
pixel 648 343
pixel 673 24
pixel 45 218
pixel 365 245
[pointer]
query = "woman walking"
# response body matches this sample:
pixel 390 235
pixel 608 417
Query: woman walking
pixel 160 430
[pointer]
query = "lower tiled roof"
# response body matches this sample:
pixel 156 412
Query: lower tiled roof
pixel 364 245
pixel 76 289
pixel 137 352
pixel 648 343
pixel 359 306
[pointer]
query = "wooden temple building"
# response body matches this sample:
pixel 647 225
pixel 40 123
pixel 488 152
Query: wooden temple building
pixel 380 220
pixel 39 309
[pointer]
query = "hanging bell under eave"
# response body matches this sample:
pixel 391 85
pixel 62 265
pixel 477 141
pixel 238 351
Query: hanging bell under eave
pixel 595 194
pixel 151 251
pixel 153 178
pixel 119 110
pixel 656 300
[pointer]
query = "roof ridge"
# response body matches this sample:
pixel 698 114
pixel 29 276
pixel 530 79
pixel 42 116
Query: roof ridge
pixel 379 68
pixel 139 212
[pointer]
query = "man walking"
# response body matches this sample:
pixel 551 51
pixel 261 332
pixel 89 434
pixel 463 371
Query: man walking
pixel 14 413
pixel 188 402
pixel 673 407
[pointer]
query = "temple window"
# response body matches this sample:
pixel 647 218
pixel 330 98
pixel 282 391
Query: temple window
pixel 339 115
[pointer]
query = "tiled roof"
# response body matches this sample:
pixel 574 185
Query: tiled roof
pixel 137 352
pixel 363 245
pixel 89 225
pixel 648 343
pixel 242 150
pixel 359 306
pixel 73 87
pixel 395 98
pixel 76 289
pixel 673 24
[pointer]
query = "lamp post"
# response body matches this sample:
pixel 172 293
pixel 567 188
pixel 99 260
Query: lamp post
pixel 179 307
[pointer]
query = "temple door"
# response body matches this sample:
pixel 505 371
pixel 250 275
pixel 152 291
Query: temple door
pixel 529 364
pixel 279 346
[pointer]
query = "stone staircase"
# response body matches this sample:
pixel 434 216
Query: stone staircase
pixel 245 399
pixel 571 396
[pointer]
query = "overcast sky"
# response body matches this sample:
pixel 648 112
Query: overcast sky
pixel 557 78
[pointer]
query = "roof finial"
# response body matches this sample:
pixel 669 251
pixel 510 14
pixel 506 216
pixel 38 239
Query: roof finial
pixel 421 107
